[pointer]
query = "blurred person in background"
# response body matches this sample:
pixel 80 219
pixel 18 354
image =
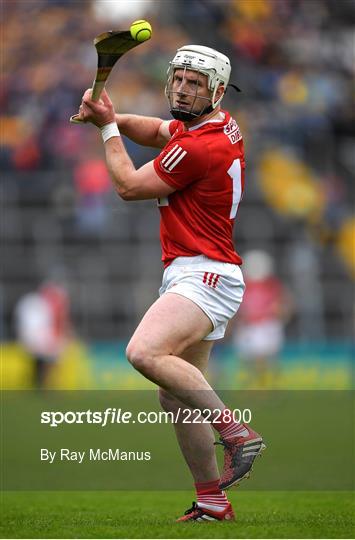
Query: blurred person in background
pixel 259 331
pixel 92 183
pixel 198 179
pixel 43 326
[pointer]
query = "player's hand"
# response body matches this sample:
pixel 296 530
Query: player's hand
pixel 99 112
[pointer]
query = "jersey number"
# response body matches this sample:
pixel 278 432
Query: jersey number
pixel 235 173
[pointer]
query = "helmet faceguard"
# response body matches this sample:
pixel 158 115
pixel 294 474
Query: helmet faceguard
pixel 204 60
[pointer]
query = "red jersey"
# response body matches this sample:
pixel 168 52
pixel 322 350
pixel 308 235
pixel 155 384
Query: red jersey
pixel 205 164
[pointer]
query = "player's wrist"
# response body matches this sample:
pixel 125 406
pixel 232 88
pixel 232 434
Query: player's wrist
pixel 109 130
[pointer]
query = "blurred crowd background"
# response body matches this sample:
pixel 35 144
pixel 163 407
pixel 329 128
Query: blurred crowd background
pixel 63 227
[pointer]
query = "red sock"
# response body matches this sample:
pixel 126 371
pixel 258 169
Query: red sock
pixel 227 427
pixel 210 496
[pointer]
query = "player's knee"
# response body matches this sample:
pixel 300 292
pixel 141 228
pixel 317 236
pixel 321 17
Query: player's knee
pixel 139 356
pixel 168 402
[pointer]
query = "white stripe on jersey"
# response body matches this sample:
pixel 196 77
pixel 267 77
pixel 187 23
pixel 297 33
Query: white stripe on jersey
pixel 169 153
pixel 181 156
pixel 173 156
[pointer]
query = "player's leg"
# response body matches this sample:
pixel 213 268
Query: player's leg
pixel 171 325
pixel 196 440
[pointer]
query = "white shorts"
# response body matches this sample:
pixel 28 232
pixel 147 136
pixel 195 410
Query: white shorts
pixel 216 287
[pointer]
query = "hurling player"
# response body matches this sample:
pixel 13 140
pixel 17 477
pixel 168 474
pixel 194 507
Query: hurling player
pixel 198 179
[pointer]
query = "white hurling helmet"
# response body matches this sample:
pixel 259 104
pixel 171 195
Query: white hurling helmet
pixel 204 60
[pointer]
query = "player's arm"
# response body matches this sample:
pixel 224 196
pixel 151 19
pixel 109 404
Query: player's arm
pixel 144 130
pixel 133 184
pixel 130 184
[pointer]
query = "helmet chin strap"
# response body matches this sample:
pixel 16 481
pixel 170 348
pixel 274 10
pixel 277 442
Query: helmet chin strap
pixel 185 116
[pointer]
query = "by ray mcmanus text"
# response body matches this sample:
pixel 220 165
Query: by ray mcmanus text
pixel 93 454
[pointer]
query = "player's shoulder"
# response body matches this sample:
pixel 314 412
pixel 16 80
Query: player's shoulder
pixel 175 127
pixel 183 152
pixel 196 137
pixel 225 136
pixel 183 138
pixel 226 127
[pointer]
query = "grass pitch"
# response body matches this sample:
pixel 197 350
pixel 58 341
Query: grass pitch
pixel 151 515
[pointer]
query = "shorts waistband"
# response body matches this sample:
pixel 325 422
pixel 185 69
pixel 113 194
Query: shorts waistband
pixel 191 260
